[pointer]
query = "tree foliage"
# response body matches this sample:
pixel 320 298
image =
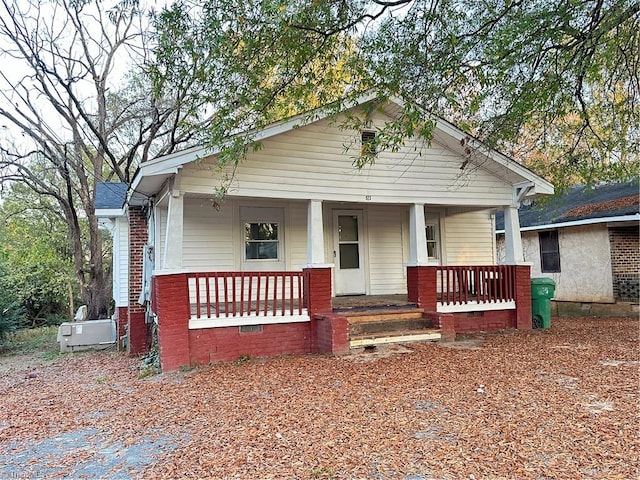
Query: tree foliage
pixel 78 110
pixel 36 270
pixel 561 75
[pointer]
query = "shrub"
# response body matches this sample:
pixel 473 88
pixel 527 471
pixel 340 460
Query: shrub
pixel 11 316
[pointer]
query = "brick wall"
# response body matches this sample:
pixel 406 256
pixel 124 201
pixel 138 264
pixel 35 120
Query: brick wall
pixel 451 324
pixel 625 262
pixel 122 320
pixel 226 344
pixel 332 334
pixel 484 321
pixel 138 331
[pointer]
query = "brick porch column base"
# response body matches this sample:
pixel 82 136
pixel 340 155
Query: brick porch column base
pixel 325 329
pixel 171 300
pixel 523 297
pixel 422 287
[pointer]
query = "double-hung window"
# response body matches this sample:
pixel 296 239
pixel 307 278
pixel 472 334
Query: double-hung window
pixel 433 247
pixel 432 230
pixel 261 241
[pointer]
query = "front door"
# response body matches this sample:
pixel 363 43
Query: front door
pixel 348 252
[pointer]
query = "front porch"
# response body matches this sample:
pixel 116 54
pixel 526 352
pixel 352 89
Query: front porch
pixel 219 316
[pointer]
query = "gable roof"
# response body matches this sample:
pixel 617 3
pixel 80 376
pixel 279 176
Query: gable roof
pixel 153 173
pixel 110 198
pixel 581 205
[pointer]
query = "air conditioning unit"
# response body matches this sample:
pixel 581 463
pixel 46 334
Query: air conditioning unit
pixel 87 334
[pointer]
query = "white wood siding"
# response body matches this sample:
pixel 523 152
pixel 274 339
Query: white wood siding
pixel 386 252
pixel 161 230
pixel 468 238
pixel 315 161
pixel 296 235
pixel 121 262
pixel 212 238
pixel 208 243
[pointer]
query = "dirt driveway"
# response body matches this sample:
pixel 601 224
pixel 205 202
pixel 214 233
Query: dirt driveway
pixel 556 404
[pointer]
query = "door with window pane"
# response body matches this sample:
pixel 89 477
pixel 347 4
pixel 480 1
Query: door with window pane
pixel 348 252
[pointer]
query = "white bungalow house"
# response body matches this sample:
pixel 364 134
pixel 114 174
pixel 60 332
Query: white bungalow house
pixel 300 229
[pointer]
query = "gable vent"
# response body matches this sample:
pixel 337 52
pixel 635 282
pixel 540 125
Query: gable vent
pixel 368 139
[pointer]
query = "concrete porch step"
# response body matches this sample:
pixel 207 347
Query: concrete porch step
pixel 406 336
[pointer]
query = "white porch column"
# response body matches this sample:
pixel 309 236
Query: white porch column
pixel 417 235
pixel 512 239
pixel 172 255
pixel 315 234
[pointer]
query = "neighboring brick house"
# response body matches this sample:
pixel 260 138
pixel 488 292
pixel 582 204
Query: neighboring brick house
pixel 586 240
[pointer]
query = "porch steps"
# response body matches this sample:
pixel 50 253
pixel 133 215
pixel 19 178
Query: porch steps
pixel 389 325
pixel 424 335
pixel 378 315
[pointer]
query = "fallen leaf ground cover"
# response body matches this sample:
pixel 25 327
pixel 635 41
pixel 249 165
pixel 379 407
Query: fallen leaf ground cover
pixel 545 404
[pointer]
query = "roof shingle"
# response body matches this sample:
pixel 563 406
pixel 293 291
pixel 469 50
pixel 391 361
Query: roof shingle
pixel 580 203
pixel 110 195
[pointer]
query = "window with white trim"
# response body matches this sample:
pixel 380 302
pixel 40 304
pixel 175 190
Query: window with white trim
pixel 261 241
pixel 433 240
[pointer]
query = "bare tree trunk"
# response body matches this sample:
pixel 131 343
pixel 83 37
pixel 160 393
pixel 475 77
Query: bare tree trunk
pixel 72 308
pixel 75 128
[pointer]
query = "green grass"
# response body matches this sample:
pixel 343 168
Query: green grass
pixel 32 340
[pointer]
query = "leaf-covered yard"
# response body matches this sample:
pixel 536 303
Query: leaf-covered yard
pixel 561 403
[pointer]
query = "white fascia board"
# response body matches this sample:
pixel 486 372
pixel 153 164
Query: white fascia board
pixel 109 212
pixel 578 223
pixel 175 159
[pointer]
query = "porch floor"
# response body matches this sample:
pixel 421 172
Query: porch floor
pixel 362 302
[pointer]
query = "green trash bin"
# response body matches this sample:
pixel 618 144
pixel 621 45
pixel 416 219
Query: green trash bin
pixel 542 291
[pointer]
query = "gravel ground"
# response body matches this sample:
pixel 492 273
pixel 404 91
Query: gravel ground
pixel 554 404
